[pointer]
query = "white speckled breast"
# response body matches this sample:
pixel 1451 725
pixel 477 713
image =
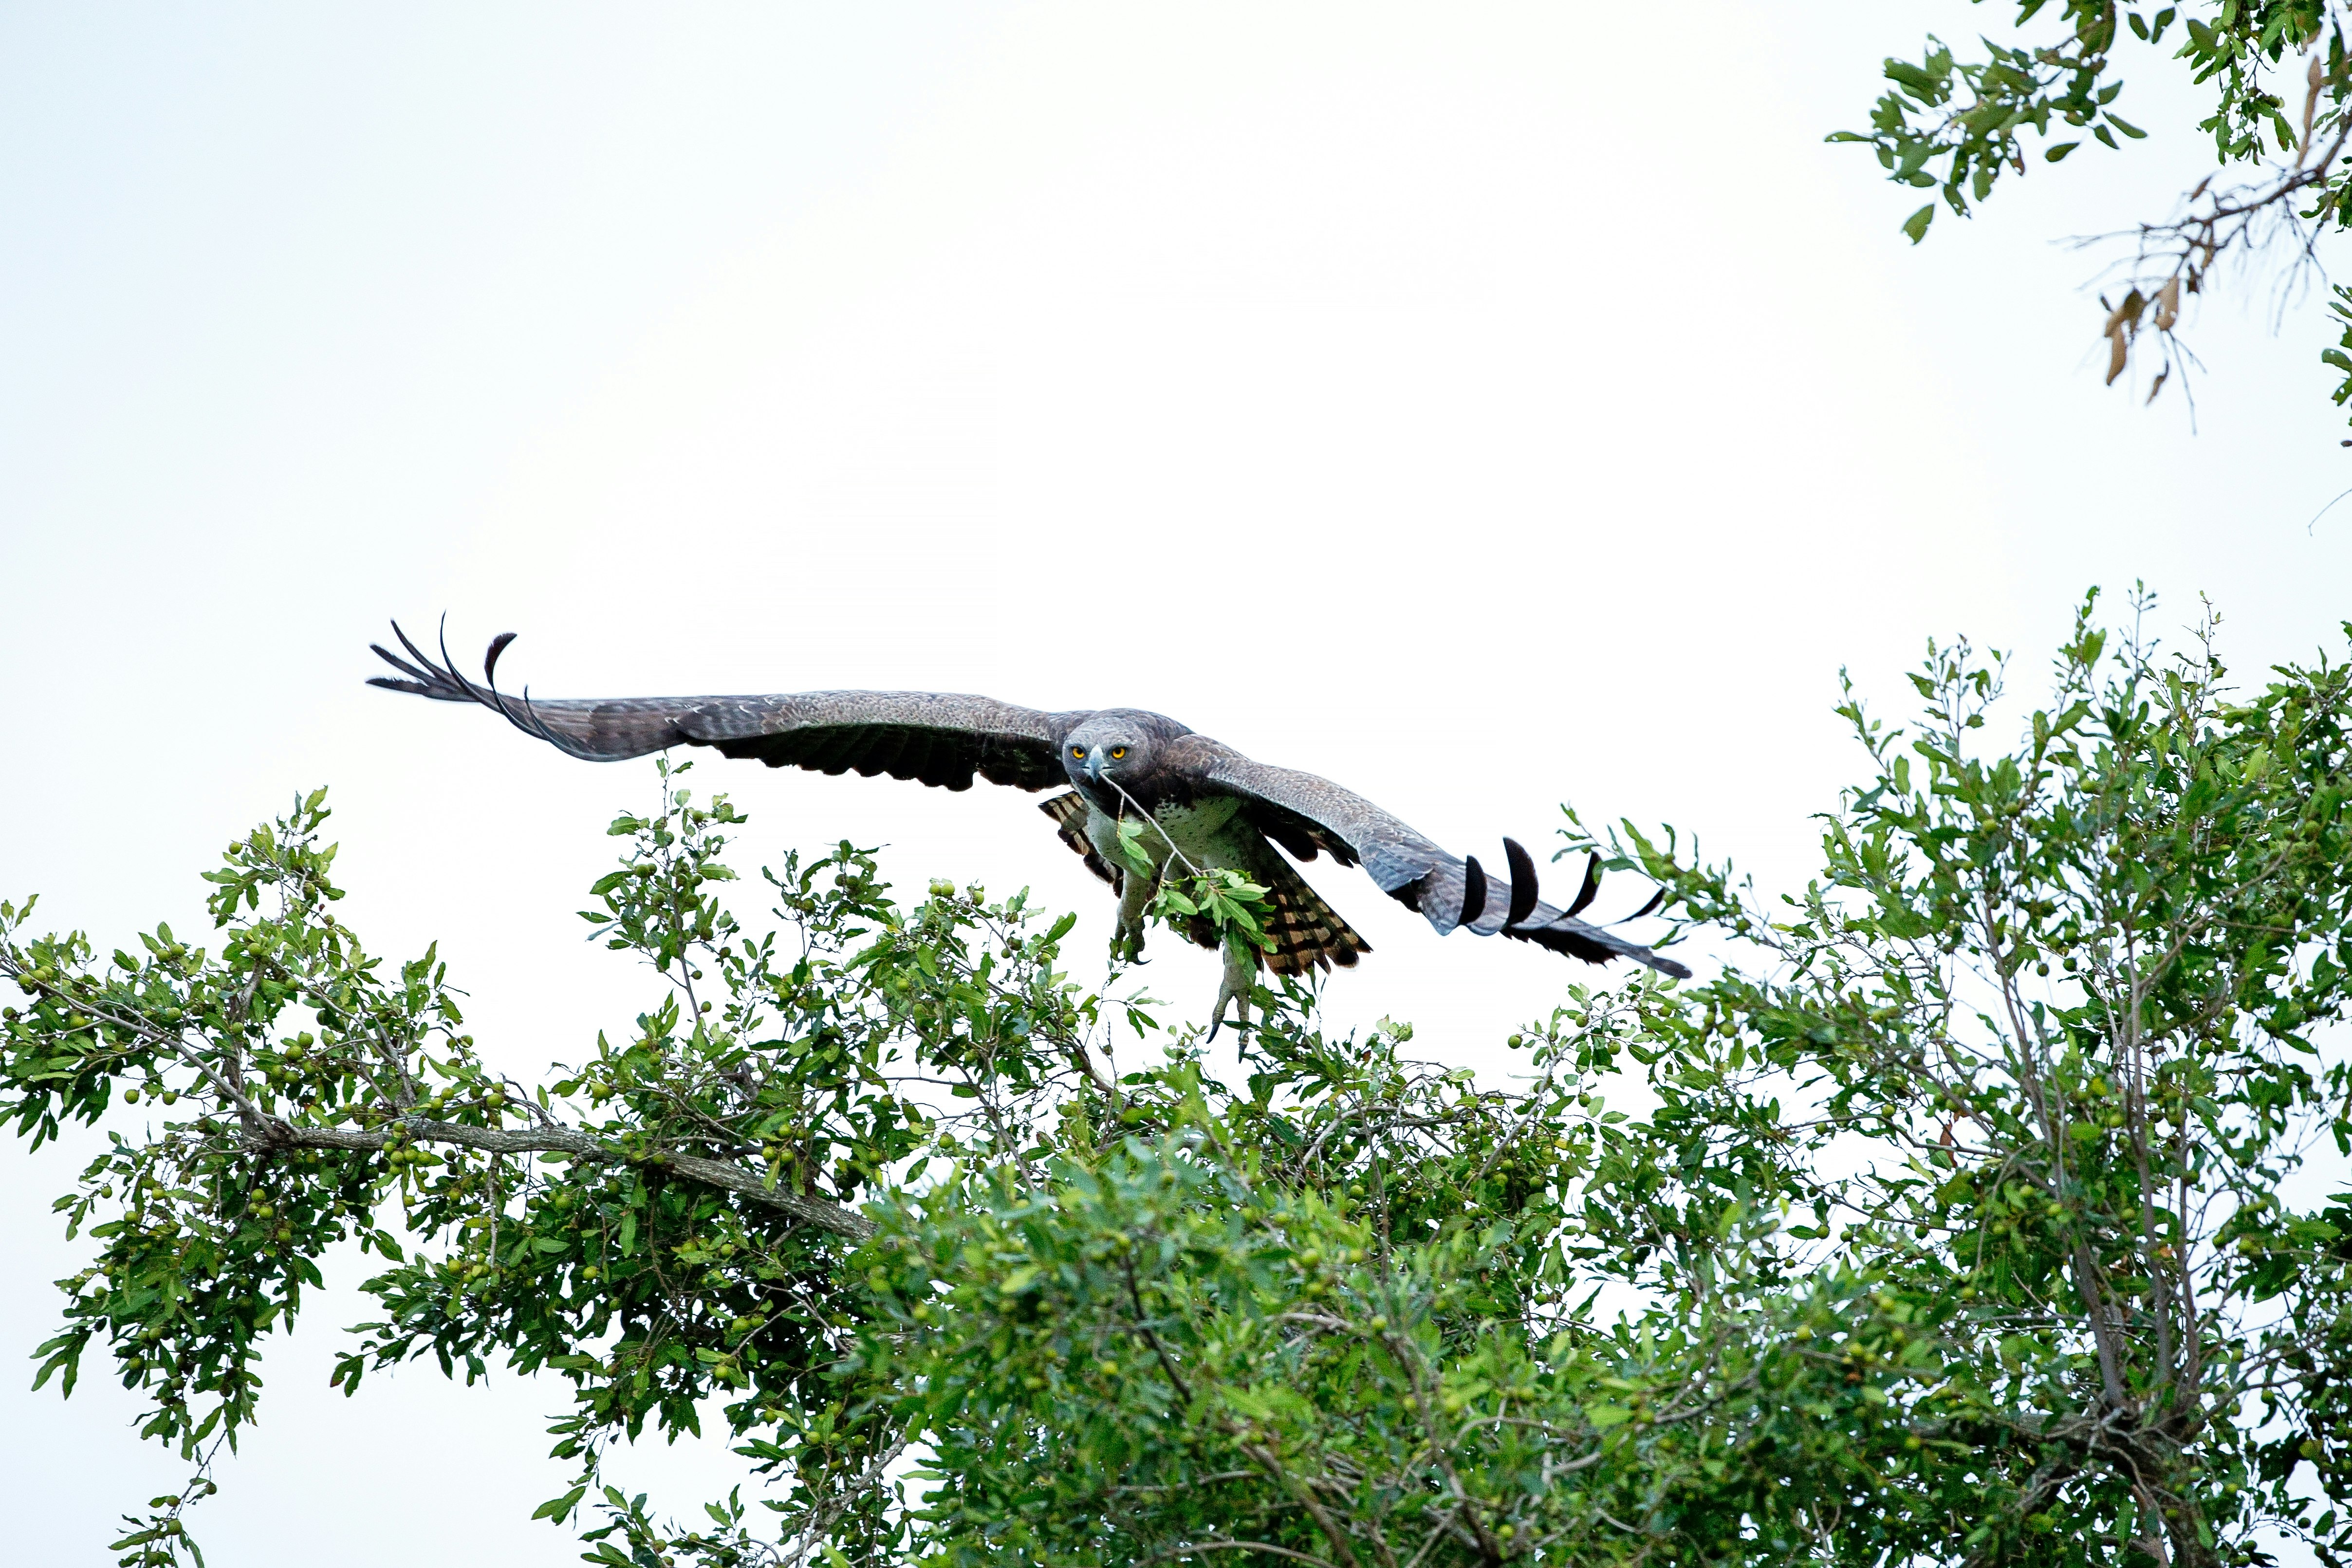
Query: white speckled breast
pixel 1202 832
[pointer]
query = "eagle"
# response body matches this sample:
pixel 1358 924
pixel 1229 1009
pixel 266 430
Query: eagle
pixel 1191 801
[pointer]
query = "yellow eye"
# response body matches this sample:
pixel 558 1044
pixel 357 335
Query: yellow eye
pixel 1077 754
pixel 1117 752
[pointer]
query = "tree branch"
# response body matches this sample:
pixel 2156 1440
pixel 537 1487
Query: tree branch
pixel 276 1132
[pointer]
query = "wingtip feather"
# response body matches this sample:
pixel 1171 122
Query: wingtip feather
pixel 1523 882
pixel 1649 908
pixel 490 659
pixel 1591 888
pixel 1473 890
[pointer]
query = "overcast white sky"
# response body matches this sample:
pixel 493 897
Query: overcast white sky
pixel 1486 406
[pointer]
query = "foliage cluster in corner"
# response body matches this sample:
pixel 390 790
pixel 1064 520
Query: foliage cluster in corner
pixel 2278 81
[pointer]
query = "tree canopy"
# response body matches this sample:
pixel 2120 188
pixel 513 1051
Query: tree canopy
pixel 2275 75
pixel 1960 1214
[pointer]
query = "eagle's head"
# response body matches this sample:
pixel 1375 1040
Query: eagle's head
pixel 1106 746
pixel 1122 750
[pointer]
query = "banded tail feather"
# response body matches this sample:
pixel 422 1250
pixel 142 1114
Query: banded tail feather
pixel 1308 933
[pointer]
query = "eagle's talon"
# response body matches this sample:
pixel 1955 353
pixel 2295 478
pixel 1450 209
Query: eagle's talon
pixel 1240 979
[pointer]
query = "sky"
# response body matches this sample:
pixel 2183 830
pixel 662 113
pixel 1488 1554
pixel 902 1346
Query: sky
pixel 1486 406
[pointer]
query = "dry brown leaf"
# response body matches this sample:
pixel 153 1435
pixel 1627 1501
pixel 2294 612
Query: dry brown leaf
pixel 2168 304
pixel 2316 76
pixel 2124 315
pixel 2117 354
pixel 2156 385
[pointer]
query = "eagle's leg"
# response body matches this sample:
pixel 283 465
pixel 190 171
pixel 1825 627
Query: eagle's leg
pixel 1134 905
pixel 1241 975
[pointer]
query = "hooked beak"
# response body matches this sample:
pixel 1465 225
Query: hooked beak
pixel 1095 765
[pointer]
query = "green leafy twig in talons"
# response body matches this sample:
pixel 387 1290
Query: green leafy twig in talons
pixel 1234 906
pixel 2280 77
pixel 1214 902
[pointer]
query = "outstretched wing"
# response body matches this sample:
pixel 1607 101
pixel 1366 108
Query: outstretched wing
pixel 1304 814
pixel 937 737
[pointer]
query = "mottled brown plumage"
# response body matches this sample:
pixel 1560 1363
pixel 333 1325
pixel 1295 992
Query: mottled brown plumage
pixel 1210 804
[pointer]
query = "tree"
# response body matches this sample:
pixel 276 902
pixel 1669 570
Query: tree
pixel 2278 78
pixel 1956 1220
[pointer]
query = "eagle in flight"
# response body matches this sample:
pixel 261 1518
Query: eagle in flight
pixel 1205 804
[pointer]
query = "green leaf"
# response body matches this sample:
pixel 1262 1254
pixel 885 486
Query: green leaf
pixel 559 1508
pixel 1916 226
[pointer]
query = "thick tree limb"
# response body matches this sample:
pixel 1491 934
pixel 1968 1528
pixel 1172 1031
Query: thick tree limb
pixel 273 1132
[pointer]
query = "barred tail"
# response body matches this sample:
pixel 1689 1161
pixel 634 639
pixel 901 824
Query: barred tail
pixel 1308 933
